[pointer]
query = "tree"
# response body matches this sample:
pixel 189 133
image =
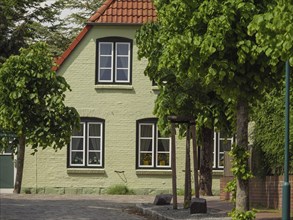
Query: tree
pixel 273 30
pixel 81 12
pixel 32 104
pixel 26 21
pixel 268 134
pixel 209 40
pixel 181 96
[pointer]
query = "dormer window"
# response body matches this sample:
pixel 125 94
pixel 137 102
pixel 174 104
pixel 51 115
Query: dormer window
pixel 114 61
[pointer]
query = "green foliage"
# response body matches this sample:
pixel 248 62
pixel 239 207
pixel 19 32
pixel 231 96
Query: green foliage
pixel 205 47
pixel 119 189
pixel 81 11
pixel 238 215
pixel 269 129
pixel 240 166
pixel 32 99
pixel 274 31
pixel 231 187
pixel 180 93
pixel 26 21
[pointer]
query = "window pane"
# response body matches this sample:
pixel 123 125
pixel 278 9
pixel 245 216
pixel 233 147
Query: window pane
pixel 122 49
pixel 225 145
pixel 105 61
pixel 163 159
pixel 146 159
pixel 122 74
pixel 164 145
pixel 146 145
pixel 94 130
pixel 77 143
pixel 94 143
pixel 122 62
pixel 77 132
pixel 221 159
pixel 105 74
pixel 94 158
pixel 146 131
pixel 105 48
pixel 77 157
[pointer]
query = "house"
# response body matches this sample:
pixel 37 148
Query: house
pixel 118 142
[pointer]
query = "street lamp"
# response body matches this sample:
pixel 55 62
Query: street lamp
pixel 286 184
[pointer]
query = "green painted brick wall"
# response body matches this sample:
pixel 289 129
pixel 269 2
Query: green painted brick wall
pixel 120 108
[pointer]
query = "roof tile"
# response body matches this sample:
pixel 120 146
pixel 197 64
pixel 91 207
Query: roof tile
pixel 125 11
pixel 115 12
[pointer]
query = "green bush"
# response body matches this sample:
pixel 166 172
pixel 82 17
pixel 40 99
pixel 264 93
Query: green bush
pixel 119 189
pixel 269 130
pixel 237 215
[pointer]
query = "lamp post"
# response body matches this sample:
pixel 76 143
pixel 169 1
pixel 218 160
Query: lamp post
pixel 286 184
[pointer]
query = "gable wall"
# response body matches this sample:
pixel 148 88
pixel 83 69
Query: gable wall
pixel 120 108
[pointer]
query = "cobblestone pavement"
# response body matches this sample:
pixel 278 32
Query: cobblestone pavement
pixel 79 207
pixel 104 207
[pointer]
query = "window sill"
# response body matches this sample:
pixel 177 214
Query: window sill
pixel 82 170
pixel 153 172
pixel 114 87
pixel 155 88
pixel 218 172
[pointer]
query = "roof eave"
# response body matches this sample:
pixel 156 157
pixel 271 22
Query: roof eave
pixel 112 24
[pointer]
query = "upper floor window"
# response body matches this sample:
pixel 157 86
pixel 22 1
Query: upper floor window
pixel 86 147
pixel 114 60
pixel 153 150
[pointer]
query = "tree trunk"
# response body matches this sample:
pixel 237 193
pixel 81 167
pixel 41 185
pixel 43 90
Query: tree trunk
pixel 173 165
pixel 187 190
pixel 242 193
pixel 206 162
pixel 195 161
pixel 19 165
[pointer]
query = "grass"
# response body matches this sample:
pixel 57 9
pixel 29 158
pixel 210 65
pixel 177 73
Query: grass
pixel 119 189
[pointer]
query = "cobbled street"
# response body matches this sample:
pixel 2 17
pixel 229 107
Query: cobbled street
pixel 85 207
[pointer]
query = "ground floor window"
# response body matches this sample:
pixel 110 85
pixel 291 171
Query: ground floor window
pixel 86 147
pixel 153 150
pixel 222 143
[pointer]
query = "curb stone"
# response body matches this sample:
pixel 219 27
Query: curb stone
pixel 167 213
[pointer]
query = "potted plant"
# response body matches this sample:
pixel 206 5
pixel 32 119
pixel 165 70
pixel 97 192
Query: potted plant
pixel 147 159
pixel 163 159
pixel 94 161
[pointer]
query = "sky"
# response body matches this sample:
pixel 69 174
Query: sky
pixel 65 12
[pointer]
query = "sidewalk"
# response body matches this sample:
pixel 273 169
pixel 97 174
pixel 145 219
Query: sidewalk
pixel 217 209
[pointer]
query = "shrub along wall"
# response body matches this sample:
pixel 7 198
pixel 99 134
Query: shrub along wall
pixel 263 192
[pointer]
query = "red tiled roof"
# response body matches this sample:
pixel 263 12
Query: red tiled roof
pixel 125 11
pixel 115 12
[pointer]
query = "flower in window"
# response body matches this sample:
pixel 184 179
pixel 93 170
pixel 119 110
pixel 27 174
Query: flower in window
pixel 163 159
pixel 147 159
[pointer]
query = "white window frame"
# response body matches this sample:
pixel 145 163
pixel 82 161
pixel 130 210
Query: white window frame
pixel 114 56
pixel 217 153
pixel 163 152
pixel 88 144
pixel 146 138
pixel 128 63
pixel 222 152
pixel 83 144
pixel 155 151
pixel 112 61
